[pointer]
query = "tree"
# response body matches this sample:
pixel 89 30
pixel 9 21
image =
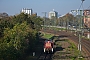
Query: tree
pixel 37 21
pixel 19 34
pixel 23 17
pixel 17 40
pixel 5 23
pixel 67 19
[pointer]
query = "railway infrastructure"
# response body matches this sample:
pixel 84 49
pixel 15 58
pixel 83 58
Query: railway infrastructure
pixel 70 35
pixel 45 56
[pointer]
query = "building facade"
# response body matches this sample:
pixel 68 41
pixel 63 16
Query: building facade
pixel 27 11
pixel 87 18
pixel 53 14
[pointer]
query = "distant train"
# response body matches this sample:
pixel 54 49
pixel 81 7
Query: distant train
pixel 48 46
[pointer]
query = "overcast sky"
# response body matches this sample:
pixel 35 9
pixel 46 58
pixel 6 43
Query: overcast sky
pixel 13 7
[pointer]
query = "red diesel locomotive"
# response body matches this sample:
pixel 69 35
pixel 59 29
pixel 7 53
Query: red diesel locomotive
pixel 48 46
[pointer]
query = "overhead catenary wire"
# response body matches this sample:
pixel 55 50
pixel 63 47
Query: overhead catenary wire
pixel 81 6
pixel 88 7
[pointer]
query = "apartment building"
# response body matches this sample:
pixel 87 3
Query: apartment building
pixel 87 17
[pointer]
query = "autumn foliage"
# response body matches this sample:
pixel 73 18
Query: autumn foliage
pixel 18 34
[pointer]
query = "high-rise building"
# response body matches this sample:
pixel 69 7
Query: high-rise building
pixel 87 17
pixel 53 14
pixel 27 11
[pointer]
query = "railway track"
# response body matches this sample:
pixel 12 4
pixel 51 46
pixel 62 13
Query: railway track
pixel 85 43
pixel 45 56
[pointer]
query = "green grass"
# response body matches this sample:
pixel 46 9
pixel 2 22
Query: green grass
pixel 72 49
pixel 48 36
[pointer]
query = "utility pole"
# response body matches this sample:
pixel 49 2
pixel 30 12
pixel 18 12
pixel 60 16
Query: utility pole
pixel 82 0
pixel 79 12
pixel 44 20
pixel 80 30
pixel 80 26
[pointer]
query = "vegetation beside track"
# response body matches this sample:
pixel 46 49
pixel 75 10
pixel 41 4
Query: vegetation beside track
pixel 47 35
pixel 65 46
pixel 65 49
pixel 18 36
pixel 39 48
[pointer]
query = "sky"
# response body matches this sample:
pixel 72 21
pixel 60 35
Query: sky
pixel 13 7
